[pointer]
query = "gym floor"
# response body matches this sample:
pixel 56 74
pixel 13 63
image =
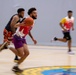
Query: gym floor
pixel 40 58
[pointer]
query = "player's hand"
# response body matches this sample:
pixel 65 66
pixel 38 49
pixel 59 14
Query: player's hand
pixel 65 30
pixel 35 42
pixel 72 29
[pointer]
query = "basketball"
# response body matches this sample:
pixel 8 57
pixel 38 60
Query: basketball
pixel 28 21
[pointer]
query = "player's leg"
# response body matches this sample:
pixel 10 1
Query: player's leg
pixel 23 53
pixel 15 51
pixel 10 39
pixel 26 53
pixel 17 41
pixel 61 39
pixel 5 41
pixel 3 46
pixel 69 45
pixel 9 36
pixel 20 52
pixel 69 42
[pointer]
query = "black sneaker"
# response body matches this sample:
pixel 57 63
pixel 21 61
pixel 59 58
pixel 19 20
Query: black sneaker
pixel 16 59
pixel 16 69
pixel 55 39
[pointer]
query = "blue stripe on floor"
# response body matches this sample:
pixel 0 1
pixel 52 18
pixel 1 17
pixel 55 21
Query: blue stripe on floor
pixel 58 72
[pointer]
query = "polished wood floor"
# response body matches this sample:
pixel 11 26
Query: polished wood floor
pixel 39 56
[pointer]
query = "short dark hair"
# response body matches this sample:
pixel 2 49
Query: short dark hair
pixel 70 11
pixel 31 10
pixel 20 10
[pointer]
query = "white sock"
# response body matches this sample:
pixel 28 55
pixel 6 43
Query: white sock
pixel 16 64
pixel 9 46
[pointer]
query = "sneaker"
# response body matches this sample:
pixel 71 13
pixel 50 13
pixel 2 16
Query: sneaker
pixel 16 69
pixel 3 46
pixel 70 52
pixel 16 59
pixel 54 39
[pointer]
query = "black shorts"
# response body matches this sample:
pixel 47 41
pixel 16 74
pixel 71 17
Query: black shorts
pixel 67 35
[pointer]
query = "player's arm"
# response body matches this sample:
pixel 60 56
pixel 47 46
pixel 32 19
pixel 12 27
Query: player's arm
pixel 35 42
pixel 62 24
pixel 13 22
pixel 73 25
pixel 17 25
pixel 21 23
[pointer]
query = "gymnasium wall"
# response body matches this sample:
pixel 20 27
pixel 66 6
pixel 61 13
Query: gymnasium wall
pixel 50 12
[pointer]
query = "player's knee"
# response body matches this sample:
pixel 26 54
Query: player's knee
pixel 26 53
pixel 65 40
pixel 21 55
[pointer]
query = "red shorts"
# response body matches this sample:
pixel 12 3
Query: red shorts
pixel 7 35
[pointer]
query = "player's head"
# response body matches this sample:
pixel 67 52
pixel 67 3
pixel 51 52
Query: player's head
pixel 70 12
pixel 20 12
pixel 32 12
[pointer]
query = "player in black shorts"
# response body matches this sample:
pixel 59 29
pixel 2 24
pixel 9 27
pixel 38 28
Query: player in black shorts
pixel 67 24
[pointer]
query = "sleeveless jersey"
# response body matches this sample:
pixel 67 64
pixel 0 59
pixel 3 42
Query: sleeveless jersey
pixel 8 27
pixel 22 31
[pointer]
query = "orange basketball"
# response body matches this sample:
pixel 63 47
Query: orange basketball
pixel 29 21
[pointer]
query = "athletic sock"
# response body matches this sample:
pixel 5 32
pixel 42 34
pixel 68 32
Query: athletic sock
pixel 16 64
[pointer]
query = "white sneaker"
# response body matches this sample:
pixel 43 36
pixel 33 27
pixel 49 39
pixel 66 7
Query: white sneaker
pixel 54 39
pixel 72 53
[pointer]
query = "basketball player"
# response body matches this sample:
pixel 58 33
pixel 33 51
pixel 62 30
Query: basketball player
pixel 10 28
pixel 66 24
pixel 19 40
